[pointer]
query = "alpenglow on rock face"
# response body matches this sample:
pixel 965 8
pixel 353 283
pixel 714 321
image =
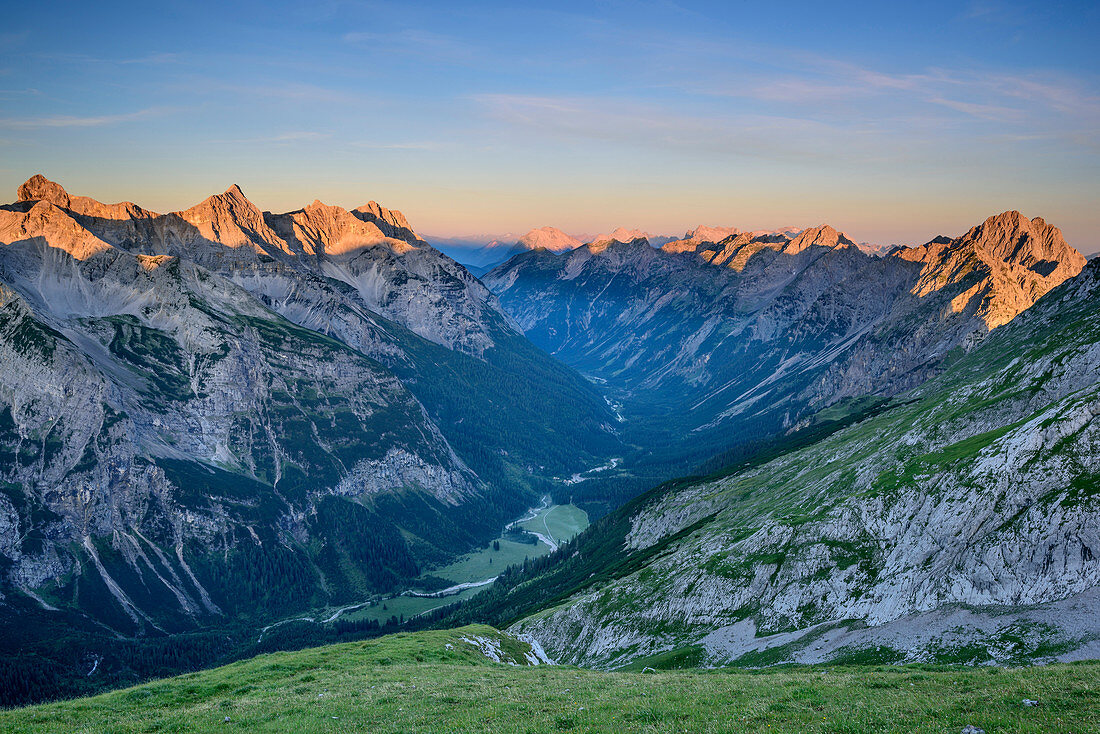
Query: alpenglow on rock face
pixel 626 234
pixel 703 233
pixel 481 259
pixel 549 238
pixel 371 250
pixel 227 414
pixel 1009 261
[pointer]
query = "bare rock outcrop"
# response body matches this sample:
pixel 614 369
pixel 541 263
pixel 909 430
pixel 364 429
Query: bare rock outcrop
pixel 549 238
pixel 823 236
pixel 1008 262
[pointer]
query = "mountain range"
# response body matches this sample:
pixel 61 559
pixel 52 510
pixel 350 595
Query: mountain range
pixel 795 447
pixel 220 414
pixel 704 345
pixel 958 523
pixel 479 258
pixel 480 254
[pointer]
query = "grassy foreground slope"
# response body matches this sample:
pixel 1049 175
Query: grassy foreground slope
pixel 443 681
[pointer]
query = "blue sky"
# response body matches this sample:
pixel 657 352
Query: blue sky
pixel 892 121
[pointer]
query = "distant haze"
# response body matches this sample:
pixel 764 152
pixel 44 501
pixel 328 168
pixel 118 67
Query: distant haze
pixel 893 123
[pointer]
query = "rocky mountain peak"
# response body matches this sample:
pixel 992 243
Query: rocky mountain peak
pixel 621 250
pixel 318 208
pixel 550 238
pixel 1022 259
pixel 1012 239
pixel 734 250
pixel 391 217
pixel 684 245
pixel 326 229
pixel 703 233
pixel 823 236
pixel 1011 219
pixel 231 200
pixel 390 221
pixel 40 188
pixel 232 220
pixel 621 234
pixel 51 225
pixel 1031 243
pixel 235 192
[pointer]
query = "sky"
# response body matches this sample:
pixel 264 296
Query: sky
pixel 894 122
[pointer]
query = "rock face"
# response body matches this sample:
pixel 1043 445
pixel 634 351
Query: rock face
pixel 1009 261
pixel 373 250
pixel 823 236
pixel 703 233
pixel 707 345
pixel 391 221
pixel 549 238
pixel 43 222
pixel 481 259
pixel 320 230
pixel 960 524
pixel 152 408
pixel 625 234
pixel 229 220
pixel 223 413
pixel 40 188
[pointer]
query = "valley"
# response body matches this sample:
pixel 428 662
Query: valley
pixel 229 432
pixel 849 544
pixel 471 367
pixel 217 419
pixel 548 525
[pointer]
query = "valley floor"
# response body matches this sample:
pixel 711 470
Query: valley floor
pixel 549 525
pixel 446 681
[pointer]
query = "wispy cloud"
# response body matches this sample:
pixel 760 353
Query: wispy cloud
pixel 291 92
pixel 62 121
pixel 992 11
pixel 774 78
pixel 846 114
pixel 814 86
pixel 13 38
pixel 425 145
pixel 294 136
pixel 989 112
pixel 65 57
pixel 648 127
pixel 19 93
pixel 416 42
pixel 161 58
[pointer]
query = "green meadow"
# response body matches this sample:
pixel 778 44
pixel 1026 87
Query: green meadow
pixel 442 681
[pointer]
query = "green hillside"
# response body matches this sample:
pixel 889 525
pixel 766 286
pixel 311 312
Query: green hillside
pixel 442 681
